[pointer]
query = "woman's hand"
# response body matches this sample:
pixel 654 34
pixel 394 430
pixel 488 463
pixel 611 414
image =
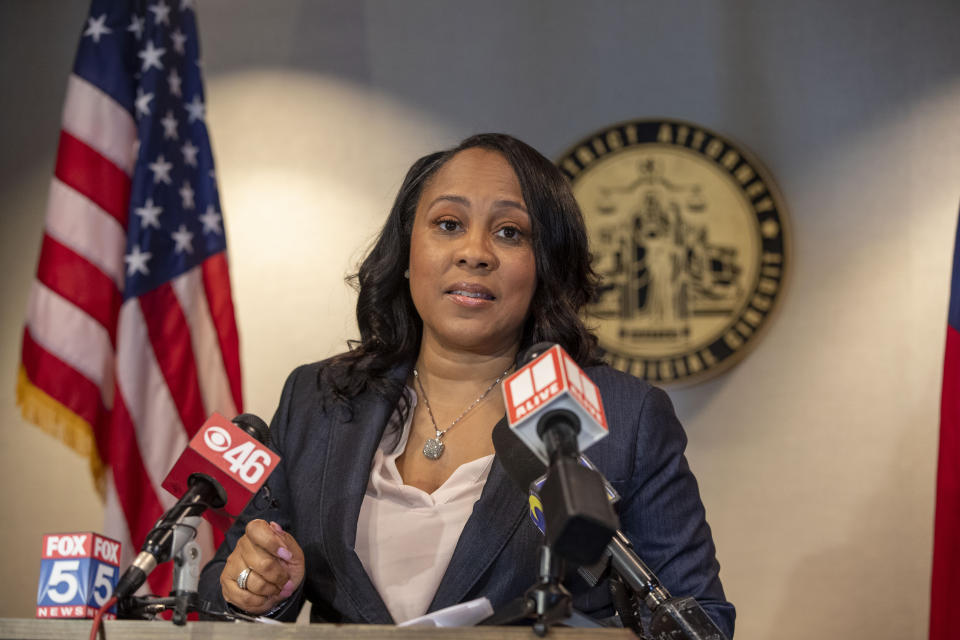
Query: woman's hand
pixel 276 568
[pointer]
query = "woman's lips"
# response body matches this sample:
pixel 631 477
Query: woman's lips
pixel 471 295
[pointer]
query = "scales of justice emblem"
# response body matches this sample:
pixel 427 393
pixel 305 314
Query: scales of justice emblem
pixel 688 236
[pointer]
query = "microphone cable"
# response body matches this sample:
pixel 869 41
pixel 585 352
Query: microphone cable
pixel 98 618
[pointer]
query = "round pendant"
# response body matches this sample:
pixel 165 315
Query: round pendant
pixel 433 448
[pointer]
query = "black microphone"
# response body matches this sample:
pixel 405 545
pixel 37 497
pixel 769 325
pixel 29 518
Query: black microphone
pixel 527 471
pixel 178 525
pixel 673 618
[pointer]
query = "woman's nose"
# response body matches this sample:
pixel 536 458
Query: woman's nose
pixel 475 251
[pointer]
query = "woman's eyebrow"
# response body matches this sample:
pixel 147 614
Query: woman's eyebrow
pixel 463 201
pixel 451 198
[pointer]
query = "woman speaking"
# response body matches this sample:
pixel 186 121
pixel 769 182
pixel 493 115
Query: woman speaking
pixel 389 501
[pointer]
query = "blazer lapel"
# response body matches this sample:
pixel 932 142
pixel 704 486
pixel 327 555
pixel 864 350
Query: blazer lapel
pixel 346 472
pixel 496 515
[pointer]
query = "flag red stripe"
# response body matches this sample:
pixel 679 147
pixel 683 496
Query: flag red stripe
pixel 69 274
pixel 171 342
pixel 83 169
pixel 944 613
pixel 64 384
pixel 216 282
pixel 140 504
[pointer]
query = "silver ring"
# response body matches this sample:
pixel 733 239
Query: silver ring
pixel 242 578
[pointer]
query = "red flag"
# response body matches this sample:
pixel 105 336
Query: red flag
pixel 945 587
pixel 130 338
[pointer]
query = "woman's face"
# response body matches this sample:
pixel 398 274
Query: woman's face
pixel 472 268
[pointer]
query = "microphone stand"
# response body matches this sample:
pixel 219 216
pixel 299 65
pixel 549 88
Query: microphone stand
pixel 580 521
pixel 184 597
pixel 547 602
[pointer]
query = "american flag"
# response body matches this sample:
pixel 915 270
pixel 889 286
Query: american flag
pixel 130 338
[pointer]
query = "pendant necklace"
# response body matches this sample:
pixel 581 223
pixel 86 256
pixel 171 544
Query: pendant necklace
pixel 433 447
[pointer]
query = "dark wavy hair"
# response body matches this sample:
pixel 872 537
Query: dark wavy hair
pixel 390 326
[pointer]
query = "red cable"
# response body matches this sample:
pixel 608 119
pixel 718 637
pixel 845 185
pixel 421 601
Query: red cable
pixel 99 616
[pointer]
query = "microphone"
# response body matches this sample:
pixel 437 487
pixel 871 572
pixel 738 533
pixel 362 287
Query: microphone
pixel 672 617
pixel 526 469
pixel 78 572
pixel 224 465
pixel 529 474
pixel 555 409
pixel 234 453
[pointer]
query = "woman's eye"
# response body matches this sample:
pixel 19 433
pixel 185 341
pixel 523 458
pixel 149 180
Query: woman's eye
pixel 509 233
pixel 448 225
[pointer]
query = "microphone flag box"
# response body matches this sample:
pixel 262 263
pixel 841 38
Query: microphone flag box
pixel 229 455
pixel 78 573
pixel 553 381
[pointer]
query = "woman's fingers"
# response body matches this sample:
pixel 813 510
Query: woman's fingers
pixel 264 564
pixel 242 598
pixel 290 550
pixel 258 586
pixel 292 555
pixel 275 570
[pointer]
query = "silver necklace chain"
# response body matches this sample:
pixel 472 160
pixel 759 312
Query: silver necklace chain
pixel 433 447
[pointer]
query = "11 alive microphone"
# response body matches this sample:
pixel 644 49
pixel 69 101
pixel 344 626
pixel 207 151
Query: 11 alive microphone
pixel 555 409
pixel 224 465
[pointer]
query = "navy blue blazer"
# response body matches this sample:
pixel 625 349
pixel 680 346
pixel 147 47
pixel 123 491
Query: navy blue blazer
pixel 317 490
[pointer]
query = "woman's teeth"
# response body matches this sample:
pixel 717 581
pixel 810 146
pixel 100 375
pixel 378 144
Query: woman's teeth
pixel 472 294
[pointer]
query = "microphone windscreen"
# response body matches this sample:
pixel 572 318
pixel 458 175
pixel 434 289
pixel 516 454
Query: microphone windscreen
pixel 254 426
pixel 530 353
pixel 520 463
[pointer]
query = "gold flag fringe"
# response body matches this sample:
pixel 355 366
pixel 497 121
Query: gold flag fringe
pixel 61 423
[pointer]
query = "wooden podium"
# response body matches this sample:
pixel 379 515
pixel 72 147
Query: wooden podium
pixel 30 629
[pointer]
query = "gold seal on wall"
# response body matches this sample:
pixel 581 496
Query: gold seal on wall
pixel 688 234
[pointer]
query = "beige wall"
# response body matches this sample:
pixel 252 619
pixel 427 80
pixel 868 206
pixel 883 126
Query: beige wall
pixel 815 455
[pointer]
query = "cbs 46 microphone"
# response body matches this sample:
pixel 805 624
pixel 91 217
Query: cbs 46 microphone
pixel 555 409
pixel 224 465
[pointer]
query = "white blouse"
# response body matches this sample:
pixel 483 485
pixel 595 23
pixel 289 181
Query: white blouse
pixel 405 536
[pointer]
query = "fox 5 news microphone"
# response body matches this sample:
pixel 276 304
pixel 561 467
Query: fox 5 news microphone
pixel 78 572
pixel 224 465
pixel 555 409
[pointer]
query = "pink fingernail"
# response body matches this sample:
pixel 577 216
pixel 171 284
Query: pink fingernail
pixel 276 527
pixel 284 553
pixel 287 589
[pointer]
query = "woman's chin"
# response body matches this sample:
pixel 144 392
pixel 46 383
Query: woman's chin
pixel 477 337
